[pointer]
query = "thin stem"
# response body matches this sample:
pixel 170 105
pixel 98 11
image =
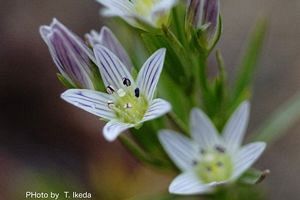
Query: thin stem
pixel 171 37
pixel 141 155
pixel 178 122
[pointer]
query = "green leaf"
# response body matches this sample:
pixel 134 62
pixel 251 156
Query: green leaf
pixel 254 176
pixel 250 61
pixel 279 122
pixel 143 156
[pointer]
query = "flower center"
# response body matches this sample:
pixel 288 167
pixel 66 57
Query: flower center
pixel 129 105
pixel 215 165
pixel 144 7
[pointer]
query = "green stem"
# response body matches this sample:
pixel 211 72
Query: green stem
pixel 172 38
pixel 140 154
pixel 178 122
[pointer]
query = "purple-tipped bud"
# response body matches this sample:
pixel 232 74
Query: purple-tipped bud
pixel 72 57
pixel 204 14
pixel 107 39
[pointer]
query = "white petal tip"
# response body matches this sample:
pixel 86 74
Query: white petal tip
pixel 262 146
pixel 113 129
pixel 162 51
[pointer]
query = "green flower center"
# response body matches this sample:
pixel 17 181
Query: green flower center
pixel 215 165
pixel 144 7
pixel 129 106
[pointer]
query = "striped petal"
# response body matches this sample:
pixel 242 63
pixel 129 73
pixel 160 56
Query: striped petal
pixel 90 101
pixel 113 129
pixel 202 129
pixel 246 157
pixel 180 149
pixel 118 7
pixel 157 108
pixel 235 128
pixel 188 184
pixel 71 56
pixel 112 70
pixel 149 74
pixel 109 40
pixel 164 6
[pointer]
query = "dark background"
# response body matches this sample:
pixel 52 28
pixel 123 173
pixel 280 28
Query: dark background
pixel 48 145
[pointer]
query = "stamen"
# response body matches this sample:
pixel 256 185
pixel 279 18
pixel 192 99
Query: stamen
pixel 202 151
pixel 110 89
pixel 110 104
pixel 127 105
pixel 137 92
pixel 220 164
pixel 126 82
pixel 195 162
pixel 220 149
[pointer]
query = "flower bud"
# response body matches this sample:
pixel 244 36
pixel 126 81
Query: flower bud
pixel 107 39
pixel 140 13
pixel 72 57
pixel 203 15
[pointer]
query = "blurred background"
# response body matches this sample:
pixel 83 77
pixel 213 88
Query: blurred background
pixel 49 145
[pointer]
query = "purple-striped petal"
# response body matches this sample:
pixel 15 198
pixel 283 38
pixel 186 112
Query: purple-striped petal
pixel 69 53
pixel 188 184
pixel 180 149
pixel 203 131
pixel 114 128
pixel 149 74
pixel 90 101
pixel 108 39
pixel 204 13
pixel 117 7
pixel 246 157
pixel 157 108
pixel 235 128
pixel 211 16
pixel 112 70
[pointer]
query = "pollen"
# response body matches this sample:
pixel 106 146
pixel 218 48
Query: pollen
pixel 129 105
pixel 214 166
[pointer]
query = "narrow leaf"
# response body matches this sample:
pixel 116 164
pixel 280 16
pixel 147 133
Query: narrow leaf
pixel 250 60
pixel 279 122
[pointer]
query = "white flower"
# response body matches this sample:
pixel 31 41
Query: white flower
pixel 128 103
pixel 209 160
pixel 152 12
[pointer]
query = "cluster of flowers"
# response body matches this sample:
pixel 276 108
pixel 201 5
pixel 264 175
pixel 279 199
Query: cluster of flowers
pixel 208 159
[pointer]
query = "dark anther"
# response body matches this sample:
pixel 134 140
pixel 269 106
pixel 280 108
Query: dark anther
pixel 110 104
pixel 137 92
pixel 220 149
pixel 126 82
pixel 209 169
pixel 202 151
pixel 110 89
pixel 195 162
pixel 219 164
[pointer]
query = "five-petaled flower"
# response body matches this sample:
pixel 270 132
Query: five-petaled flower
pixel 210 160
pixel 128 103
pixel 136 12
